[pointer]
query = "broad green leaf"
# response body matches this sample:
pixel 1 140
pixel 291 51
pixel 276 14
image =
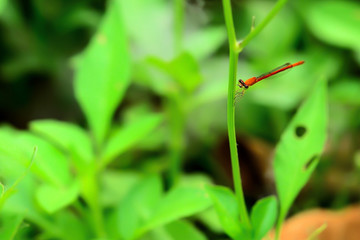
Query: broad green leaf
pixel 194 180
pixel 183 69
pixel 335 22
pixel 346 92
pixel 204 42
pixel 210 218
pixel 51 198
pixel 263 216
pixel 4 194
pixel 2 5
pixel 156 40
pixel 178 203
pixel 110 181
pixel 179 230
pixel 137 206
pixel 50 165
pixel 71 226
pixel 126 137
pixel 66 135
pixel 103 73
pixel 9 226
pixel 300 147
pixel 22 202
pixel 226 207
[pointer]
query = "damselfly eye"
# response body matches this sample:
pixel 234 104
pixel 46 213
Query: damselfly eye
pixel 242 84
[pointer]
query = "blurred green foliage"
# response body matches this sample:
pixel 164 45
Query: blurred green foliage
pixel 145 113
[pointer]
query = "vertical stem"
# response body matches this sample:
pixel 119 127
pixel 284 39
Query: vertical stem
pixel 174 104
pixel 177 124
pixel 279 225
pixel 91 194
pixel 231 112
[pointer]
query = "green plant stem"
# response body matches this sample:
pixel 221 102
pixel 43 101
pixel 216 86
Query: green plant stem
pixel 177 125
pixel 279 4
pixel 231 112
pixel 174 103
pixel 91 194
pixel 279 225
pixel 178 24
pixel 235 48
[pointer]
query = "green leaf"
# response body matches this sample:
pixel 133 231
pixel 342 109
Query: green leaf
pixel 335 22
pixel 179 230
pixel 51 165
pixel 4 194
pixel 227 209
pixel 263 216
pixel 126 137
pixel 155 40
pixel 183 69
pixel 300 147
pixel 137 206
pixel 51 198
pixel 110 181
pixel 178 203
pixel 71 226
pixel 103 73
pixel 9 226
pixel 346 92
pixel 204 42
pixel 2 4
pixel 66 135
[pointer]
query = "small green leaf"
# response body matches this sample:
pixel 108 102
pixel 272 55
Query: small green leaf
pixel 126 137
pixel 335 22
pixel 204 42
pixel 71 226
pixel 51 198
pixel 9 226
pixel 110 181
pixel 227 209
pixel 263 216
pixel 103 73
pixel 178 203
pixel 346 92
pixel 137 206
pixel 66 135
pixel 300 147
pixel 183 69
pixel 181 229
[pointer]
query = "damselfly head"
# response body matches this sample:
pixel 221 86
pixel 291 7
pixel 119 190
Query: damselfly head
pixel 242 84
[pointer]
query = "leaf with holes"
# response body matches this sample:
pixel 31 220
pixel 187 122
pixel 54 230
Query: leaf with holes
pixel 300 146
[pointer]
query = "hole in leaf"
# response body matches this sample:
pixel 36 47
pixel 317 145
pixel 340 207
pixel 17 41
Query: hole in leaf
pixel 300 131
pixel 310 162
